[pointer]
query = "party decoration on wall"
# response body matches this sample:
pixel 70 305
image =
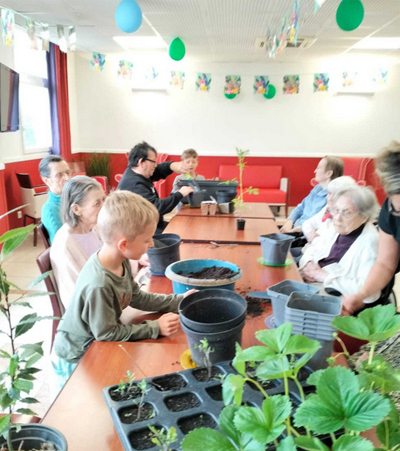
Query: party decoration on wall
pixel 260 84
pixel 321 82
pixel 128 16
pixel 45 37
pixel 294 23
pixel 380 76
pixel 291 84
pixel 232 86
pixel 350 79
pixel 150 77
pixel 318 4
pixel 271 91
pixel 71 39
pixel 177 49
pixel 350 14
pixel 98 61
pixel 203 81
pixel 282 39
pixel 62 42
pixel 31 32
pixel 177 79
pixel 125 69
pixel 7 26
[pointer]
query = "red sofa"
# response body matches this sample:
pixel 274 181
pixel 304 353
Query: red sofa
pixel 272 187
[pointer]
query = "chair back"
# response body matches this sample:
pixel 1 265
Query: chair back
pixel 44 264
pixel 32 202
pixel 117 177
pixel 24 180
pixel 44 235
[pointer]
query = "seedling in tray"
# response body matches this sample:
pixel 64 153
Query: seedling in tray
pixel 206 349
pixel 163 438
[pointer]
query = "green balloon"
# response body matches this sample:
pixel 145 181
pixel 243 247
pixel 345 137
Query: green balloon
pixel 350 14
pixel 229 96
pixel 177 49
pixel 271 91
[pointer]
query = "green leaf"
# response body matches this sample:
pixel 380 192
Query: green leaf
pixel 314 377
pixel 388 431
pixel 207 439
pixel 4 354
pixel 299 344
pixel 13 238
pixel 29 400
pixel 232 389
pixel 275 368
pixel 255 354
pixel 310 444
pixel 23 411
pixel 315 415
pixel 13 365
pixel 25 324
pixel 23 385
pixel 40 278
pixel 352 443
pixel 379 375
pixel 227 425
pixel 372 324
pixel 266 424
pixel 275 339
pixel 4 423
pixel 287 444
pixel 239 365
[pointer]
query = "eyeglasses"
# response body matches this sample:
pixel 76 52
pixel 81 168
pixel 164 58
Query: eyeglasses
pixel 152 161
pixel 392 210
pixel 346 214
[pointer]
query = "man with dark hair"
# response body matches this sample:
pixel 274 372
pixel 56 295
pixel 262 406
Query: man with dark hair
pixel 54 171
pixel 143 170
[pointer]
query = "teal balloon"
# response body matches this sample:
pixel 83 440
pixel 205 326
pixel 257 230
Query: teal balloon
pixel 350 14
pixel 128 16
pixel 271 91
pixel 177 49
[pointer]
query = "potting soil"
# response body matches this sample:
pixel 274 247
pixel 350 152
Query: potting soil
pixel 212 272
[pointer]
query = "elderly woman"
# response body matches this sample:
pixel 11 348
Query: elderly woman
pixel 342 259
pixel 76 240
pixel 387 263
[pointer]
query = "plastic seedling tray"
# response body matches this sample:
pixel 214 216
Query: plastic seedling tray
pixel 185 400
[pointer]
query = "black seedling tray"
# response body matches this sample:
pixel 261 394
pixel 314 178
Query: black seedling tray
pixel 205 396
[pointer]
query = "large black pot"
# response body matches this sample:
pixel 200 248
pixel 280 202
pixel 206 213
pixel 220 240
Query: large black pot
pixel 35 435
pixel 164 252
pixel 212 310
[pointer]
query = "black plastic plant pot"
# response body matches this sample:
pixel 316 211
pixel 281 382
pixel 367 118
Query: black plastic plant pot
pixel 165 252
pixel 212 310
pixel 225 195
pixel 222 343
pixel 35 436
pixel 197 197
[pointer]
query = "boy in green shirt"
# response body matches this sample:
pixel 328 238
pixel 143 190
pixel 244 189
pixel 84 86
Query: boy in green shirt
pixel 126 225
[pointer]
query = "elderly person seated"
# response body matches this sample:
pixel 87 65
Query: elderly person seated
pixel 77 239
pixel 341 259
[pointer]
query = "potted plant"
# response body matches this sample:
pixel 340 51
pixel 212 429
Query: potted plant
pixel 19 359
pixel 327 411
pixel 241 164
pixel 98 164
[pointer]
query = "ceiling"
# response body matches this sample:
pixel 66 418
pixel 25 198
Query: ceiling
pixel 217 30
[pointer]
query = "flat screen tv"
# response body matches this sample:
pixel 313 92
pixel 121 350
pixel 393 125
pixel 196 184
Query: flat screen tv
pixel 9 95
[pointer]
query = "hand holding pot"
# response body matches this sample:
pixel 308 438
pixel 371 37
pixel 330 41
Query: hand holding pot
pixel 168 323
pixel 186 190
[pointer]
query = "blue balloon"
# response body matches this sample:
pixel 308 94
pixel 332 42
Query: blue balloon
pixel 128 16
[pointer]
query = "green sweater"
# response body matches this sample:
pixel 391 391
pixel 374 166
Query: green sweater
pixel 95 308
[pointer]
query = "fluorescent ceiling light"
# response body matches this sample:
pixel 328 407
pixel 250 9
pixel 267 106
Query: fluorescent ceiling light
pixel 140 42
pixel 378 44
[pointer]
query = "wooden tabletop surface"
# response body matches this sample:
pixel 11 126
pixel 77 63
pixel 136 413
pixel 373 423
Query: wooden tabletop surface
pixel 220 229
pixel 80 411
pixel 260 210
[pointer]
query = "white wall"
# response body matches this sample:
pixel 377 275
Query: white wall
pixel 111 117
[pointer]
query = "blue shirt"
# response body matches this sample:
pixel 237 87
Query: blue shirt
pixel 51 214
pixel 309 206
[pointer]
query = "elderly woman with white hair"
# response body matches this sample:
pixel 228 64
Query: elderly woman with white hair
pixel 341 259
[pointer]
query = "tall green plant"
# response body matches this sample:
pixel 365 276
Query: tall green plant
pixel 344 402
pixel 19 359
pixel 98 164
pixel 241 164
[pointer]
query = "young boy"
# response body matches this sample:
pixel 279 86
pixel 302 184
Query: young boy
pixel 126 224
pixel 190 160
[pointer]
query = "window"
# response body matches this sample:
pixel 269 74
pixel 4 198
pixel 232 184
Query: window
pixel 34 94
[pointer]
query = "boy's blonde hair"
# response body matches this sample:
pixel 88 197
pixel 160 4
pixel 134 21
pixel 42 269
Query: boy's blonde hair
pixel 125 214
pixel 189 153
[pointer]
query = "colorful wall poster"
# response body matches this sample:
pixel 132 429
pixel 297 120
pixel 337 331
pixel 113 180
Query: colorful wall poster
pixel 98 61
pixel 291 84
pixel 177 79
pixel 321 82
pixel 260 84
pixel 203 81
pixel 125 69
pixel 232 84
pixel 7 26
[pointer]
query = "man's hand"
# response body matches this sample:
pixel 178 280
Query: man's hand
pixel 185 190
pixel 287 226
pixel 168 323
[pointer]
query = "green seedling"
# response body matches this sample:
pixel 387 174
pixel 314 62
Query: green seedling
pixel 206 349
pixel 163 438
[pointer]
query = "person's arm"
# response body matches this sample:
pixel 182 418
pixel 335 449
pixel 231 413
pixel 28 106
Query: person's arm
pixel 164 205
pixel 51 219
pixel 381 272
pixel 310 226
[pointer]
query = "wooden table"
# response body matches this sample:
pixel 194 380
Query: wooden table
pixel 255 210
pixel 220 229
pixel 80 411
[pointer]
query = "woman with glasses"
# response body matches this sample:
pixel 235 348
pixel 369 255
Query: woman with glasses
pixel 386 266
pixel 341 258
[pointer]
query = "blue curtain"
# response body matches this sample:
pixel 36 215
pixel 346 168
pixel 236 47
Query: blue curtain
pixel 52 78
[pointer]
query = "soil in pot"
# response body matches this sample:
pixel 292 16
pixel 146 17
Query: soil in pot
pixel 196 421
pixel 201 374
pixel 182 402
pixel 134 414
pixel 215 392
pixel 141 439
pixel 169 382
pixel 116 394
pixel 212 272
